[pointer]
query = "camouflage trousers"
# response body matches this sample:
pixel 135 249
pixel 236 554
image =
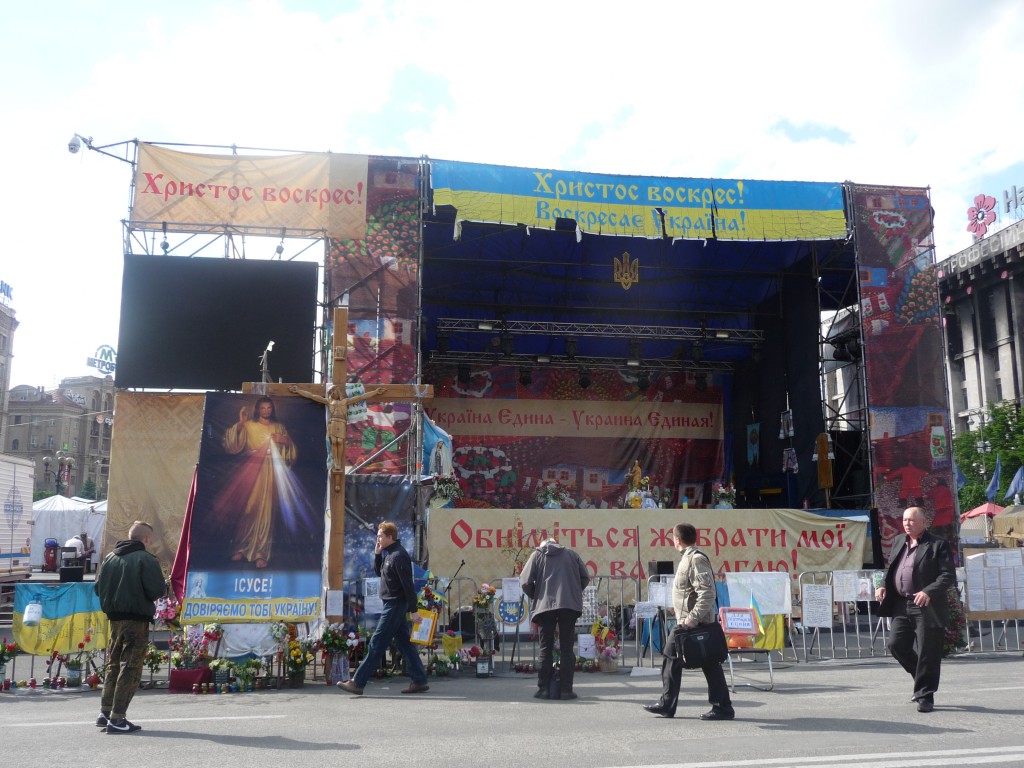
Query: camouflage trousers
pixel 125 654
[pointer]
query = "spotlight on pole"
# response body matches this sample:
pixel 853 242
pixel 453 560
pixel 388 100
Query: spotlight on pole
pixel 525 377
pixel 584 378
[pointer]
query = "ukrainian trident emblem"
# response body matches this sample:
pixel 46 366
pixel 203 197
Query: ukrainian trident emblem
pixel 627 271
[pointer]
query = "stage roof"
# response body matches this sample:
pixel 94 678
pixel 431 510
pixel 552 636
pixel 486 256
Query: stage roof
pixel 548 285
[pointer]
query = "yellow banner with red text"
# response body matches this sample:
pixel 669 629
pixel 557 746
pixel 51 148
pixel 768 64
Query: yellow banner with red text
pixel 577 418
pixel 322 192
pixel 621 542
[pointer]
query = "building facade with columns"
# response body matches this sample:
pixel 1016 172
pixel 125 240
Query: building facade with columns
pixel 982 293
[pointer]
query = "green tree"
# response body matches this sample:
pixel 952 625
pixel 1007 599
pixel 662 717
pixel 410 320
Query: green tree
pixel 999 434
pixel 89 490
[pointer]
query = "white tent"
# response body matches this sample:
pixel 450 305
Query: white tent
pixel 60 518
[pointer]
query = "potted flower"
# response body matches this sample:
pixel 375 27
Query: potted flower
pixel 153 661
pixel 247 672
pixel 191 649
pixel 7 652
pixel 440 665
pixel 76 660
pixel 429 600
pixel 298 656
pixel 332 643
pixel 723 496
pixel 221 668
pixel 606 643
pixel 552 496
pixel 446 490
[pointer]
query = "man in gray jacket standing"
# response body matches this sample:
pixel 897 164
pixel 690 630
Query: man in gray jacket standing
pixel 554 578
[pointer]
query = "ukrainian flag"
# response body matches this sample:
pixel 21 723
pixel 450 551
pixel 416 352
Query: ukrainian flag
pixel 771 629
pixel 70 612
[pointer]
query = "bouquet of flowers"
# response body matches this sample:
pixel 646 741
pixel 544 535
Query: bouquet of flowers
pixel 282 632
pixel 76 659
pixel 168 611
pixel 300 653
pixel 484 597
pixel 154 659
pixel 552 493
pixel 333 638
pixel 723 494
pixel 447 486
pixel 604 637
pixel 7 651
pixel 356 646
pixel 429 600
pixel 192 648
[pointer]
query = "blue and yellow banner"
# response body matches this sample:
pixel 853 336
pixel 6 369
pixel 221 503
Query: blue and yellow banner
pixel 70 613
pixel 645 206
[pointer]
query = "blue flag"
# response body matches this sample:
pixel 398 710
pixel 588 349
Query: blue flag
pixel 993 485
pixel 1016 485
pixel 961 478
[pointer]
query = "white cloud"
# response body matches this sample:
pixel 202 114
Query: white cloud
pixel 929 93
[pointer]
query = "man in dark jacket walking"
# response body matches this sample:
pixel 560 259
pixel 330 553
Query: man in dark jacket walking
pixel 913 592
pixel 128 584
pixel 554 579
pixel 394 566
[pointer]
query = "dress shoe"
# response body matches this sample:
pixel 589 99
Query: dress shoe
pixel 657 709
pixel 416 688
pixel 925 705
pixel 350 687
pixel 714 715
pixel 542 694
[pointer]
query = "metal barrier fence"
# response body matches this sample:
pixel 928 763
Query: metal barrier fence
pixel 864 642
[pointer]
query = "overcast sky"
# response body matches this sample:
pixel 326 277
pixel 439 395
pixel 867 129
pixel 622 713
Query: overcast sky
pixel 917 93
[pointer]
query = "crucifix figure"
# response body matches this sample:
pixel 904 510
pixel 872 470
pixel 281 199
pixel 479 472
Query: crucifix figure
pixel 337 407
pixel 337 404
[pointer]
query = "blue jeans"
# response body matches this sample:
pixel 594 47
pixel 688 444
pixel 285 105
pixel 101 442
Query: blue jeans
pixel 392 626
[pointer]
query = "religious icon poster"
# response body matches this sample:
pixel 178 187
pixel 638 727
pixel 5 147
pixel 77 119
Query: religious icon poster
pixel 256 538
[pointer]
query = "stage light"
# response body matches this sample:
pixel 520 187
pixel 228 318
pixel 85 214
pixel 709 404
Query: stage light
pixel 720 334
pixel 507 344
pixel 484 325
pixel 700 380
pixel 442 343
pixel 570 348
pixel 755 353
pixel 463 374
pixel 543 359
pixel 698 351
pixel 525 377
pixel 584 378
pixel 635 354
pixel 643 381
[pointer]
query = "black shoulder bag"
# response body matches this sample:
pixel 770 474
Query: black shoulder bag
pixel 698 646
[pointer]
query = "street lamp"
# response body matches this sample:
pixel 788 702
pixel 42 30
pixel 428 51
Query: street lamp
pixel 64 463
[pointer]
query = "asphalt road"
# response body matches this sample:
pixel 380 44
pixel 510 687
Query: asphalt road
pixel 829 713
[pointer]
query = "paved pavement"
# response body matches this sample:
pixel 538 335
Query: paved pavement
pixel 829 713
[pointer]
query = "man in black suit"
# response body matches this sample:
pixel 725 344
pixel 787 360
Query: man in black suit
pixel 917 580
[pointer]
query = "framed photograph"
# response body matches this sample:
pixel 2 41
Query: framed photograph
pixel 423 633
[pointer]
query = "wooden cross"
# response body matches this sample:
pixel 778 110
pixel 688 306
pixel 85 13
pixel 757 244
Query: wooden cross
pixel 337 405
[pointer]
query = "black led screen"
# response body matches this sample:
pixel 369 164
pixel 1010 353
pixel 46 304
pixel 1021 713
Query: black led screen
pixel 203 323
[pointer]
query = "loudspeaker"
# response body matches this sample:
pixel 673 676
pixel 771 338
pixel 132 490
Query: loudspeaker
pixel 70 573
pixel 660 567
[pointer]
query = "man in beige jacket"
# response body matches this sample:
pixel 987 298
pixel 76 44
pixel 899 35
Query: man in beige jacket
pixel 693 599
